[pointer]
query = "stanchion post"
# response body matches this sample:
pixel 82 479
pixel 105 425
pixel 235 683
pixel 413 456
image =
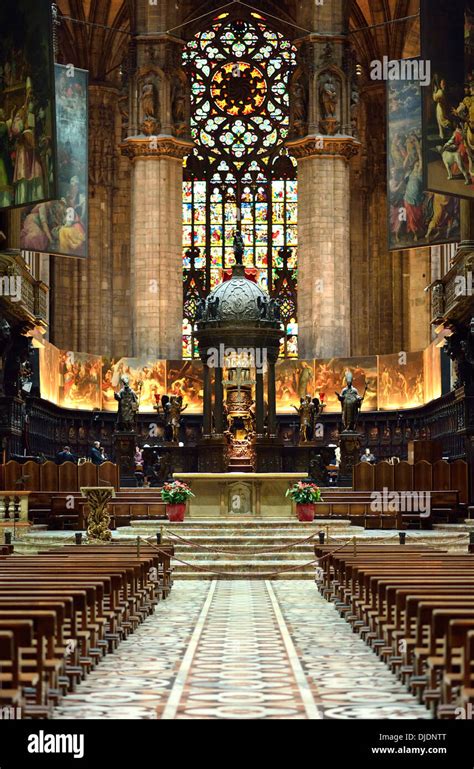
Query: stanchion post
pixel 138 547
pixel 354 542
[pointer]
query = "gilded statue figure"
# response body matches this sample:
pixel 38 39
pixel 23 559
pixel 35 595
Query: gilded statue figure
pixel 128 406
pixel 249 420
pixel 351 404
pixel 305 412
pixel 176 408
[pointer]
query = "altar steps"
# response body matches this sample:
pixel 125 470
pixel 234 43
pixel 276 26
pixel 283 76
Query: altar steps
pixel 241 548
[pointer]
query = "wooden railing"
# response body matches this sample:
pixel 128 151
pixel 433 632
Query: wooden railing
pixel 50 477
pixel 422 476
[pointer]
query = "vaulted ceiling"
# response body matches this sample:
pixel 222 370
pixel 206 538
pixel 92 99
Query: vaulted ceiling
pixel 98 40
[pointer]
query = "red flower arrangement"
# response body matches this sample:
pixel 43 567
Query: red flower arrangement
pixel 176 493
pixel 305 493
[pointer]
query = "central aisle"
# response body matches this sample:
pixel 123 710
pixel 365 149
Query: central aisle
pixel 242 649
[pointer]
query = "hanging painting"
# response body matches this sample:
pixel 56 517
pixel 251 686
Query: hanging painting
pixel 27 112
pixel 448 102
pixel 415 217
pixel 60 226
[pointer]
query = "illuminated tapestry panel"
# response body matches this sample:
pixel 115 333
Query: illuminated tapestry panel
pixel 86 382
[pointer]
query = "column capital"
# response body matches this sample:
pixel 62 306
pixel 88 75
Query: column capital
pixel 155 147
pixel 324 146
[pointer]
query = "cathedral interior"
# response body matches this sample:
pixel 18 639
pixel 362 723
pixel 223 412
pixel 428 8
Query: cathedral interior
pixel 236 259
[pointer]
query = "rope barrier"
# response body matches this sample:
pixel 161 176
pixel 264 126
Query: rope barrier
pixel 257 551
pixel 262 575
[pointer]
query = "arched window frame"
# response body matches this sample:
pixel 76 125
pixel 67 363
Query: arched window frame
pixel 240 176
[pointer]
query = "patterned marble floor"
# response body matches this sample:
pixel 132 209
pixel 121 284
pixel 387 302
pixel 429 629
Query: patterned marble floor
pixel 242 650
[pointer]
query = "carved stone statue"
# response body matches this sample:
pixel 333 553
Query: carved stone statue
pixel 438 300
pixel 238 247
pixel 212 306
pixel 274 310
pixel 328 97
pixel 263 307
pixel 178 107
pixel 128 406
pixel 351 404
pixel 149 107
pixel 200 309
pixel 299 107
pixel 148 100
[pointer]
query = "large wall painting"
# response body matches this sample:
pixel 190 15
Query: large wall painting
pixel 330 378
pixel 401 381
pixel 61 226
pixel 147 378
pixel 86 382
pixel 27 112
pixel 448 103
pixel 415 217
pixel 79 380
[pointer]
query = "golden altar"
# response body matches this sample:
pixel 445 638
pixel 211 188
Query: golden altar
pixel 240 495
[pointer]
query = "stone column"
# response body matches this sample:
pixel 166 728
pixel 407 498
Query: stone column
pixel 218 403
pixel 156 237
pixel 157 143
pixel 324 268
pixel 321 138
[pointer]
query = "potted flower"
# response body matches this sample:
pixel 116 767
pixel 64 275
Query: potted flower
pixel 175 495
pixel 305 495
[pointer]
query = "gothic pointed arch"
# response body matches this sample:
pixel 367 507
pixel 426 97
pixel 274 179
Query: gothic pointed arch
pixel 240 176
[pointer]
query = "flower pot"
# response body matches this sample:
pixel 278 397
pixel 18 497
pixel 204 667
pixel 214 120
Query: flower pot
pixel 305 512
pixel 176 513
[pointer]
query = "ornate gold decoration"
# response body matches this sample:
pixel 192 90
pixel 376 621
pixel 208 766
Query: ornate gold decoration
pixel 312 146
pixel 98 522
pixel 156 147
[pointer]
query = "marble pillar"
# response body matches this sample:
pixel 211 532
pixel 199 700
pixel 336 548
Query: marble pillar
pixel 322 140
pixel 324 267
pixel 157 142
pixel 156 237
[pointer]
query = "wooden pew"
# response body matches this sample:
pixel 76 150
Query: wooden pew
pixel 414 607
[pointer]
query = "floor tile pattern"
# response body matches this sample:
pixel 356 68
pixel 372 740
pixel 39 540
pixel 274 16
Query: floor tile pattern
pixel 243 649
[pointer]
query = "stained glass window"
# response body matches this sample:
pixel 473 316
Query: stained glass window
pixel 240 176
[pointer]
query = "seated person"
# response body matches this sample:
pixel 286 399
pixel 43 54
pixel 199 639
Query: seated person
pixel 96 454
pixel 65 456
pixel 367 456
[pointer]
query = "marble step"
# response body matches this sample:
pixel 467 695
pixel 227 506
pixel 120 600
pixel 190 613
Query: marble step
pixel 235 523
pixel 249 566
pixel 243 555
pixel 189 575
